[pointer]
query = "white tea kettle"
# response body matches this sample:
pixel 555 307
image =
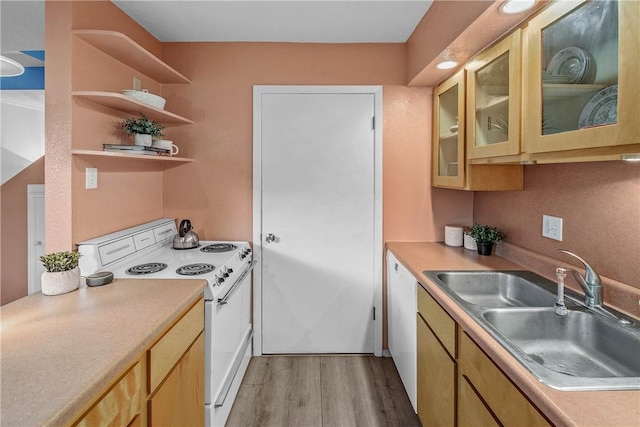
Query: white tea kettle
pixel 186 237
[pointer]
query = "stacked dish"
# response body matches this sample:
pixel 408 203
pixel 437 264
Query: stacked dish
pixel 602 108
pixel 146 98
pixel 572 63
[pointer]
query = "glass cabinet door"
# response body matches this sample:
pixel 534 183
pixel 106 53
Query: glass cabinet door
pixel 493 100
pixel 448 132
pixel 582 76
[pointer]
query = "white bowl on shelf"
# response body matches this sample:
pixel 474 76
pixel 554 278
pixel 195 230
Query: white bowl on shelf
pixel 146 98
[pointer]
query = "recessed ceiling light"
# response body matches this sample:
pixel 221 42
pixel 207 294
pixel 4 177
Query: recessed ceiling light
pixel 630 157
pixel 446 65
pixel 9 67
pixel 511 7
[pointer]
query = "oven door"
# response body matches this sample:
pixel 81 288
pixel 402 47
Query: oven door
pixel 228 337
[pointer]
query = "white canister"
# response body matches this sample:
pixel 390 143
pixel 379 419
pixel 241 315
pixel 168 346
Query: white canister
pixel 470 243
pixel 453 235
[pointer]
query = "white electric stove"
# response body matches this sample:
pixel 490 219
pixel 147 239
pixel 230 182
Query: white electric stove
pixel 145 252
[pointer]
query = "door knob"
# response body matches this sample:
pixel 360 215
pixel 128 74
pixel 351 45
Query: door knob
pixel 270 238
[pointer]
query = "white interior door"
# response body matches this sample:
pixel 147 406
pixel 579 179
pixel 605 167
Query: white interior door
pixel 35 235
pixel 318 245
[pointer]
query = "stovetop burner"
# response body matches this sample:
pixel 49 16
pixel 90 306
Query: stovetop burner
pixel 148 268
pixel 219 247
pixel 195 269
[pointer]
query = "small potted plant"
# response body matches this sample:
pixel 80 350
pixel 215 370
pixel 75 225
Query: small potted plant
pixel 143 129
pixel 62 273
pixel 485 237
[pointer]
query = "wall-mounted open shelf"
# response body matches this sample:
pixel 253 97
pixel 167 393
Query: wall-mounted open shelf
pixel 125 104
pixel 127 51
pixel 97 153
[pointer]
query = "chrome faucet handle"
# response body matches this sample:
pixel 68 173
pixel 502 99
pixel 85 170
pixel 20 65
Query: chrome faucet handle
pixel 591 276
pixel 591 283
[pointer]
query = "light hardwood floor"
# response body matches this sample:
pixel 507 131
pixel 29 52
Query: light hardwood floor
pixel 305 391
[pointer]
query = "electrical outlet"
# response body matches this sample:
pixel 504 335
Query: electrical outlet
pixel 552 227
pixel 136 83
pixel 91 178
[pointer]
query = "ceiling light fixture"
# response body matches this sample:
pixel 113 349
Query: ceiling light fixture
pixel 630 157
pixel 446 65
pixel 9 67
pixel 512 7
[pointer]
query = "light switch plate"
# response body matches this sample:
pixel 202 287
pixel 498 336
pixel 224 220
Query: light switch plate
pixel 552 227
pixel 91 178
pixel 136 83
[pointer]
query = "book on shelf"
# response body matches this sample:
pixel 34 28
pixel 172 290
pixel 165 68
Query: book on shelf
pixel 136 149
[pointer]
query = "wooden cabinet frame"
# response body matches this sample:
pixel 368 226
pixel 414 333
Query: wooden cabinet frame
pixel 513 45
pixel 437 179
pixel 627 130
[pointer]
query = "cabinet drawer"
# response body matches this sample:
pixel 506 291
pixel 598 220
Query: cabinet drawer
pixel 121 404
pixel 504 398
pixel 438 320
pixel 472 411
pixel 168 350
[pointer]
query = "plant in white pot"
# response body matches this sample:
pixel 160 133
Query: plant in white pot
pixel 62 273
pixel 143 129
pixel 485 237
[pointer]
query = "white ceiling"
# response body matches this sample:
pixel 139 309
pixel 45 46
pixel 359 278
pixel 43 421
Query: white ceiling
pixel 22 25
pixel 319 21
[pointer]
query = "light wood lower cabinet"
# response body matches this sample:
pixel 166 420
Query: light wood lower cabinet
pixel 436 370
pixel 180 399
pixel 165 386
pixel 122 403
pixel 472 410
pixel 503 398
pixel 459 385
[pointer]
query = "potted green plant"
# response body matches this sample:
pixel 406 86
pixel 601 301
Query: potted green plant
pixel 485 237
pixel 143 129
pixel 62 273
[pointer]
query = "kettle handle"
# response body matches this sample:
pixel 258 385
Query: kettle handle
pixel 185 226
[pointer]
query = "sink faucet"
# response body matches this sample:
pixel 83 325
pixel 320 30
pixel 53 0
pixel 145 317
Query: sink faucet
pixel 560 308
pixel 590 283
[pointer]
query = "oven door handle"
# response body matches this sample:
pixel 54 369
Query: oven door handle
pixel 236 285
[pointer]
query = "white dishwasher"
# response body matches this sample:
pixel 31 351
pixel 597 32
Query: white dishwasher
pixel 402 309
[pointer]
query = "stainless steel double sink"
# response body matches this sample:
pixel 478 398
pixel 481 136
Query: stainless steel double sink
pixel 583 350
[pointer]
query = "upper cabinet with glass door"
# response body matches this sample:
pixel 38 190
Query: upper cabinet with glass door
pixel 493 100
pixel 582 85
pixel 448 166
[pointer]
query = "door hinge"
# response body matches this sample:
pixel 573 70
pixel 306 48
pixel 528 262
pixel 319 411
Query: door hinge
pixel 374 313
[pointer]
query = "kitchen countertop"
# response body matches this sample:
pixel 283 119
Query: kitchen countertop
pixel 59 352
pixel 580 408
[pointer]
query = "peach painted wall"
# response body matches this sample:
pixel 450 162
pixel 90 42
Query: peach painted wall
pixel 600 206
pixel 13 274
pixel 215 192
pixel 129 192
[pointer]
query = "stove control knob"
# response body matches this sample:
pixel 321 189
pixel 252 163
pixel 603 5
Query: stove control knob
pixel 229 270
pixel 225 273
pixel 219 280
